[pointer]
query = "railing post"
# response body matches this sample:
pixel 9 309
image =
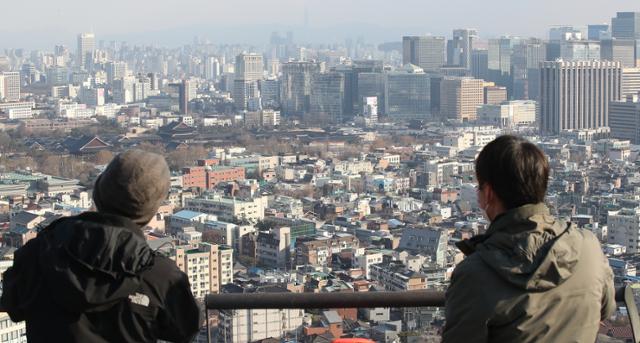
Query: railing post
pixel 206 315
pixel 625 294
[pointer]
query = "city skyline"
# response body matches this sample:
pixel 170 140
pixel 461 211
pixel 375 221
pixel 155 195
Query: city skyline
pixel 340 151
pixel 332 21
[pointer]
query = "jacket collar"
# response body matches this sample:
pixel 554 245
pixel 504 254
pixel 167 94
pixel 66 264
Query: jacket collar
pixel 506 222
pixel 112 220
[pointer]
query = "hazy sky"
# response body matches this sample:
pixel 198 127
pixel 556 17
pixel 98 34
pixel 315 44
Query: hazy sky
pixel 40 23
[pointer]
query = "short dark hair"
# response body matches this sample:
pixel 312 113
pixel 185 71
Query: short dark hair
pixel 516 169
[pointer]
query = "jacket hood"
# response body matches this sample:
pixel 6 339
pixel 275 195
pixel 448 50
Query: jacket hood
pixel 93 260
pixel 529 248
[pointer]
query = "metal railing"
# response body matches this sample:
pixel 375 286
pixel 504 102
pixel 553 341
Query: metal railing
pixel 232 301
pixel 625 295
pixel 418 298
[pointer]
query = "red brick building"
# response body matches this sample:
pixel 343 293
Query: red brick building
pixel 204 176
pixel 194 177
pixel 208 162
pixel 223 174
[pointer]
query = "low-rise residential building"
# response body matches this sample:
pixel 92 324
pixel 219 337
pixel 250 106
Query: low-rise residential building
pixel 228 208
pixel 273 249
pixel 255 325
pixel 208 267
pixel 624 229
pixel 395 277
pixel 431 242
pixel 318 250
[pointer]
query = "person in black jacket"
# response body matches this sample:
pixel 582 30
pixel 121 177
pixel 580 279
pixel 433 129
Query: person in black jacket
pixel 93 277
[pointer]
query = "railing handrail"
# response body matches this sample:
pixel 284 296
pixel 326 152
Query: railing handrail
pixel 417 298
pixel 236 301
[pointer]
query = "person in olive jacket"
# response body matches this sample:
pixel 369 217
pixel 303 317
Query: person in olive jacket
pixel 531 277
pixel 93 278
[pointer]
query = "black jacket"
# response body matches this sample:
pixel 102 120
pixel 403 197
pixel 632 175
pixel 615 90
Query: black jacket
pixel 93 278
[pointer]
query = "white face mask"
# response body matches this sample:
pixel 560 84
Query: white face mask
pixel 486 206
pixel 484 212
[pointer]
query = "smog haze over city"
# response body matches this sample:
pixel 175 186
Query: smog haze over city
pixel 339 152
pixel 42 23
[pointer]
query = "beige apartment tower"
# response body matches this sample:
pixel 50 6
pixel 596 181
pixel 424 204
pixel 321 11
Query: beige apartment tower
pixel 249 69
pixel 575 95
pixel 460 97
pixel 86 49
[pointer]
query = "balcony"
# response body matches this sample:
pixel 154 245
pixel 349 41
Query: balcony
pixel 627 296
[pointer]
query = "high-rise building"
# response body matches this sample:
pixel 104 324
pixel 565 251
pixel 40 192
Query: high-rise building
pixel 621 50
pixel 460 98
pixel 434 85
pixel 11 85
pixel 624 119
pixel 597 31
pixel 154 83
pixel 407 93
pixel 92 96
pixel 630 81
pixel 123 89
pixel 526 60
pixel 61 56
pixel 184 97
pixel 626 25
pixel 499 60
pixel 327 98
pixel 86 50
pixel 576 95
pixel 455 71
pixel 57 76
pixel 295 86
pixel 495 95
pixel 115 70
pixel 561 33
pixel 372 85
pixel 370 108
pixel 460 47
pixel 350 88
pixel 579 50
pixel 141 88
pixel 29 74
pixel 480 64
pixel 351 82
pixel 270 92
pixel 211 68
pixel 249 69
pixel 426 52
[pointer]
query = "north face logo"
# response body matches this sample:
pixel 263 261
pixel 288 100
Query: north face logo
pixel 139 299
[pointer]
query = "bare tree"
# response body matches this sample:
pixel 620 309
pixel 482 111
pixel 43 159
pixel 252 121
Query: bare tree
pixel 103 157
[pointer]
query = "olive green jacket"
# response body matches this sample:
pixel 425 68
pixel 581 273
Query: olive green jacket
pixel 530 278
